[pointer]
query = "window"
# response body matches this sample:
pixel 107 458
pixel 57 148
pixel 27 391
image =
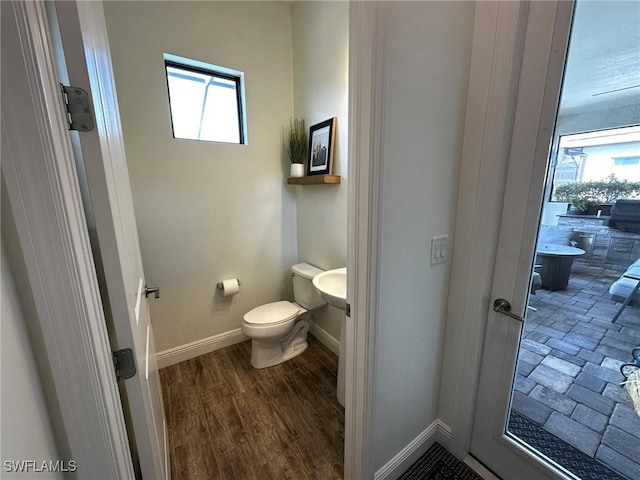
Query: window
pixel 206 101
pixel 626 161
pixel 598 156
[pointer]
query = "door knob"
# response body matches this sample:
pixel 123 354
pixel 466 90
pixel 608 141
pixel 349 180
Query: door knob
pixel 503 306
pixel 152 290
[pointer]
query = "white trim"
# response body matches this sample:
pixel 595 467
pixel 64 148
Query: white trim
pixel 495 63
pixel 367 55
pixel 545 46
pixel 203 346
pixel 414 450
pixel 325 338
pixel 42 184
pixel 444 432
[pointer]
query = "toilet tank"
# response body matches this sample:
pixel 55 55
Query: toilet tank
pixel 304 293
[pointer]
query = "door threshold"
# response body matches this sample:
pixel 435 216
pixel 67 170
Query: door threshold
pixel 474 464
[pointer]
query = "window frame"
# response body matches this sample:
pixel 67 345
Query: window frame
pixel 631 129
pixel 195 66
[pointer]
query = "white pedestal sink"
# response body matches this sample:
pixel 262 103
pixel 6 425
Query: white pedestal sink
pixel 332 286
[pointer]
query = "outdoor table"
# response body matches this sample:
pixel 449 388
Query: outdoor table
pixel 555 264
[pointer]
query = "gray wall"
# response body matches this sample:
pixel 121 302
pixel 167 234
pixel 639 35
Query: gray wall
pixel 427 71
pixel 321 83
pixel 207 211
pixel 25 426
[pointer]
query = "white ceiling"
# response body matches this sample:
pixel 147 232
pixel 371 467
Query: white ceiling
pixel 603 66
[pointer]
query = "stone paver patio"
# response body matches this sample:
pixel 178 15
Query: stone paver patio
pixel 568 368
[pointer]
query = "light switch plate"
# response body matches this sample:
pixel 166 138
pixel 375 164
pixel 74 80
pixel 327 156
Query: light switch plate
pixel 439 249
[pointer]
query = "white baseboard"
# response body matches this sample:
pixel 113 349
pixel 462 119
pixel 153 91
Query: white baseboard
pixel 199 347
pixel 444 433
pixel 181 353
pixel 325 338
pixel 409 454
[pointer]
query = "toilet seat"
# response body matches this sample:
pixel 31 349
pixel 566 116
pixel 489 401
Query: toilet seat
pixel 273 313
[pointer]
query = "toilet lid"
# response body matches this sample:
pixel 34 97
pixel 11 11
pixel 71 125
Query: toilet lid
pixel 271 313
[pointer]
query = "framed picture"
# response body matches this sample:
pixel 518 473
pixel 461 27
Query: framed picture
pixel 321 141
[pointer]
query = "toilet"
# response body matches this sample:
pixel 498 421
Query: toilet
pixel 278 330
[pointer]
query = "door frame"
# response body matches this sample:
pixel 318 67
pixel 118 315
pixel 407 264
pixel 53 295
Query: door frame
pixel 42 186
pixel 367 60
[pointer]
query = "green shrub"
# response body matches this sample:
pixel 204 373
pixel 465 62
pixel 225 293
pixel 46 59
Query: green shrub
pixel 582 195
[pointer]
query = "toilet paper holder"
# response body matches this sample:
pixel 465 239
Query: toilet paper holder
pixel 220 287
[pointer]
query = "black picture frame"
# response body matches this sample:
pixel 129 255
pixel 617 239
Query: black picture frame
pixel 321 146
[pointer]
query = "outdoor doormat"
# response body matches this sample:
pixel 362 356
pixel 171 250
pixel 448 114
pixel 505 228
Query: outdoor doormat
pixel 565 455
pixel 438 464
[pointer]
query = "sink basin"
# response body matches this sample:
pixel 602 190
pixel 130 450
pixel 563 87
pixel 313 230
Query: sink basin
pixel 332 286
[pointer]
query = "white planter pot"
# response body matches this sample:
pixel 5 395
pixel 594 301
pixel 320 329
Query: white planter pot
pixel 297 169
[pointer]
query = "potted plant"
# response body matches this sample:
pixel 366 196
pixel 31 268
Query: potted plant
pixel 578 194
pixel 584 206
pixel 296 144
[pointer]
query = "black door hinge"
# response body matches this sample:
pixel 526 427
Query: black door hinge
pixel 78 108
pixel 124 363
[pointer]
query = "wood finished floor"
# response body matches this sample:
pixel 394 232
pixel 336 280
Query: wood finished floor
pixel 228 420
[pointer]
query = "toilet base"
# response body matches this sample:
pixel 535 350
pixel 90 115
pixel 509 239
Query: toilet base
pixel 268 354
pixel 265 355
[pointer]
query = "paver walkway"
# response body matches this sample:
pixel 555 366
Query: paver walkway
pixel 568 368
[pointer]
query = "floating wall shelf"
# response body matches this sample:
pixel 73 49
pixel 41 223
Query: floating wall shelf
pixel 314 180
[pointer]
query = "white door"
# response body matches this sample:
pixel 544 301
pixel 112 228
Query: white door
pixel 86 51
pixel 545 47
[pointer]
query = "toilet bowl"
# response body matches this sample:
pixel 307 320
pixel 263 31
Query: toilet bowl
pixel 278 330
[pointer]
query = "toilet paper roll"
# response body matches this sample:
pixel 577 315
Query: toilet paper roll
pixel 230 287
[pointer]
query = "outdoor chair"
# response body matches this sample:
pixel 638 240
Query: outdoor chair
pixel 626 287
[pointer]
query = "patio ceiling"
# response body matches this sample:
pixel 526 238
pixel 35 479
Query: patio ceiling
pixel 603 69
